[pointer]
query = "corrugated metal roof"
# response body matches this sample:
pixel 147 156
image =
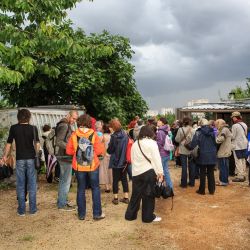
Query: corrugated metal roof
pixel 216 106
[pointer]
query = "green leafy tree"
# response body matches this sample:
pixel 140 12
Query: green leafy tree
pixel 43 61
pixel 241 93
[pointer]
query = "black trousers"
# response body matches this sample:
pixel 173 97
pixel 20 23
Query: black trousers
pixel 119 174
pixel 142 189
pixel 209 171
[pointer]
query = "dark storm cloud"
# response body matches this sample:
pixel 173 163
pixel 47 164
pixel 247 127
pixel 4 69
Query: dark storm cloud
pixel 186 48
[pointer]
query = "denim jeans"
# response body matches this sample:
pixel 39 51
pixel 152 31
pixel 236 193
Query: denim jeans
pixel 187 164
pixel 96 194
pixel 164 161
pixel 26 169
pixel 224 170
pixel 64 182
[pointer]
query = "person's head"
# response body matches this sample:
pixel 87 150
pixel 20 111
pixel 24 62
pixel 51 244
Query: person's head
pixel 23 116
pixel 136 118
pixel 140 122
pixel 146 132
pixel 46 128
pixel 72 116
pixel 99 126
pixel 186 121
pixel 236 116
pixel 211 123
pixel 204 122
pixel 106 129
pixel 115 124
pixel 220 123
pixel 84 121
pixel 162 121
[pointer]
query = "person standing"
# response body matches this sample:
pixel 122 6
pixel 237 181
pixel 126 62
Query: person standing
pixel 85 146
pixel 162 132
pixel 183 137
pixel 240 145
pixel 147 168
pixel 63 133
pixel 117 150
pixel 204 138
pixel 224 150
pixel 27 143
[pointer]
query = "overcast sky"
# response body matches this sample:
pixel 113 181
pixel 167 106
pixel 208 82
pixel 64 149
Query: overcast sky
pixel 184 49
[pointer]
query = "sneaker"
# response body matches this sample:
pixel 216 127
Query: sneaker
pixel 102 216
pixel 21 215
pixel 56 179
pixel 157 219
pixel 68 208
pixel 81 217
pixel 34 213
pixel 115 201
pixel 125 200
pixel 237 179
pixel 199 192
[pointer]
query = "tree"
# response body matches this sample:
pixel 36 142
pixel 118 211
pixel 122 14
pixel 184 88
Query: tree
pixel 241 93
pixel 43 61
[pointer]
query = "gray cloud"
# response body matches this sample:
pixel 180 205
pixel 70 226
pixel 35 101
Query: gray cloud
pixel 185 49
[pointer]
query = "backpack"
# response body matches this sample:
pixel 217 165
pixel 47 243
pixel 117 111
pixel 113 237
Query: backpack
pixel 168 144
pixel 85 151
pixel 128 150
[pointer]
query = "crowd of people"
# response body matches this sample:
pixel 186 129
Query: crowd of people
pixel 97 154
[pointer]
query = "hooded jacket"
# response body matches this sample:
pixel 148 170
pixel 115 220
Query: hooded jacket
pixel 160 139
pixel 117 149
pixel 98 147
pixel 204 138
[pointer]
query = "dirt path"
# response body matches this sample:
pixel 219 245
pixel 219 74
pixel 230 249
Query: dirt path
pixel 196 222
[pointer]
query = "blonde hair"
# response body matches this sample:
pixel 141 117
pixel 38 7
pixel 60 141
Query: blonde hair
pixel 220 123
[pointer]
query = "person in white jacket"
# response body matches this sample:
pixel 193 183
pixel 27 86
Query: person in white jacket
pixel 146 169
pixel 240 145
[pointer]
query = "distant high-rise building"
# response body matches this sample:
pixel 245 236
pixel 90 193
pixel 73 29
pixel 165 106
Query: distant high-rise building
pixel 198 101
pixel 152 112
pixel 165 111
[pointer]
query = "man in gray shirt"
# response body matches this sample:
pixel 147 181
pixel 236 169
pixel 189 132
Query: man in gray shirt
pixel 63 133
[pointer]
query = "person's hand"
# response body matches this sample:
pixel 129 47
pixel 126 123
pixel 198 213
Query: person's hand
pixel 160 177
pixel 3 160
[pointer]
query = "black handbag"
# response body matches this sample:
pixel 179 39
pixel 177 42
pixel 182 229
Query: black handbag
pixel 38 154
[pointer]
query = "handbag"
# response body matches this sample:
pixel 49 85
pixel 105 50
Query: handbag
pixel 37 155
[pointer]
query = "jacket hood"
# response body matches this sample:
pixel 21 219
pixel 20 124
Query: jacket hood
pixel 120 134
pixel 207 131
pixel 81 133
pixel 45 134
pixel 164 128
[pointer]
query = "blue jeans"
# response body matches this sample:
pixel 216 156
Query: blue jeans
pixel 164 161
pixel 187 164
pixel 96 194
pixel 224 170
pixel 26 169
pixel 64 182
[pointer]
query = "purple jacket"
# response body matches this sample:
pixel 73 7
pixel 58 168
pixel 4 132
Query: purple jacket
pixel 160 139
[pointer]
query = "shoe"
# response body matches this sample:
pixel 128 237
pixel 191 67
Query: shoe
pixel 68 208
pixel 115 201
pixel 102 216
pixel 157 219
pixel 81 217
pixel 125 200
pixel 34 213
pixel 237 179
pixel 199 192
pixel 107 191
pixel 190 185
pixel 21 215
pixel 56 179
pixel 222 184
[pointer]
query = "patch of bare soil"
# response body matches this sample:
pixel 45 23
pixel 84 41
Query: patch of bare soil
pixel 220 221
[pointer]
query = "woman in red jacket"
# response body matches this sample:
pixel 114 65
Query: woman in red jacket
pixel 85 146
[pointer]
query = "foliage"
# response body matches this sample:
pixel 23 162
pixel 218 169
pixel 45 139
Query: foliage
pixel 241 93
pixel 44 61
pixel 169 116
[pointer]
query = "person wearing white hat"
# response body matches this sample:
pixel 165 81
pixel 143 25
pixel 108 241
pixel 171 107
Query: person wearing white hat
pixel 240 144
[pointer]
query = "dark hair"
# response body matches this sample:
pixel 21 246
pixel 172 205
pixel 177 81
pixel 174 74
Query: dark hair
pixel 84 121
pixel 163 120
pixel 115 124
pixel 146 131
pixel 186 121
pixel 23 116
pixel 46 128
pixel 106 128
pixel 140 122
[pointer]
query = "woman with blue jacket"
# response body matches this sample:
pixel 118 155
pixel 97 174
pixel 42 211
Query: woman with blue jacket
pixel 204 138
